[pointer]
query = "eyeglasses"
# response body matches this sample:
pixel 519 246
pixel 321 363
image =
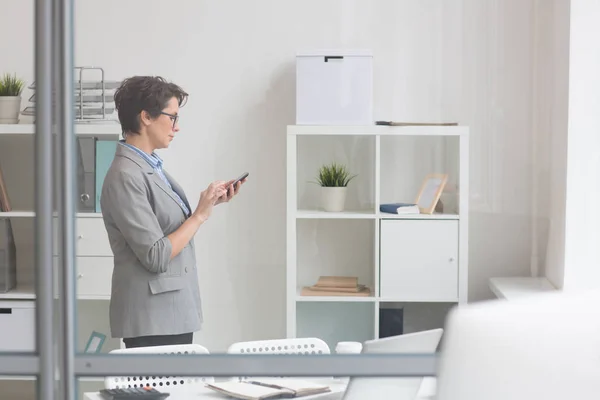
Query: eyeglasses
pixel 174 118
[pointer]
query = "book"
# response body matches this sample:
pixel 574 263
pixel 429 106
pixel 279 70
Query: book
pixel 355 289
pixel 264 388
pixel 399 208
pixel 308 291
pixel 337 281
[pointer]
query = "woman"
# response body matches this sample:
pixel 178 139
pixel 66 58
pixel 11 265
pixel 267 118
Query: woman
pixel 155 297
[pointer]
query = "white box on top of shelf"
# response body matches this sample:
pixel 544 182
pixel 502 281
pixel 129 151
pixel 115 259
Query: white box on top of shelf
pixel 334 87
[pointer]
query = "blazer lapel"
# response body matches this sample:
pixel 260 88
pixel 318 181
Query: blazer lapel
pixel 178 189
pixel 132 155
pixel 161 184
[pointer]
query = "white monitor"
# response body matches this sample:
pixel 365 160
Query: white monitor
pixel 543 347
pixel 396 388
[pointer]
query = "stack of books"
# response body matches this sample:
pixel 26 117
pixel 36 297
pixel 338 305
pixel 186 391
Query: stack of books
pixel 336 286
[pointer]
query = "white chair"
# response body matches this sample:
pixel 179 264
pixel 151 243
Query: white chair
pixel 281 346
pixel 172 384
pixel 302 346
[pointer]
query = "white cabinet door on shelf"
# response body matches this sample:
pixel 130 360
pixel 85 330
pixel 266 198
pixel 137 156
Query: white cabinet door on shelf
pixel 419 260
pixel 17 326
pixel 91 238
pixel 93 278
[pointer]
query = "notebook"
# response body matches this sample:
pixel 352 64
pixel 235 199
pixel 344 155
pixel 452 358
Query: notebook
pixel 265 388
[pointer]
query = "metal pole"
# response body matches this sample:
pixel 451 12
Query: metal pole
pixel 43 199
pixel 63 40
pixel 229 365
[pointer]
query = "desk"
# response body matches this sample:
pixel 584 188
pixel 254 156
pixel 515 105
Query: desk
pixel 426 391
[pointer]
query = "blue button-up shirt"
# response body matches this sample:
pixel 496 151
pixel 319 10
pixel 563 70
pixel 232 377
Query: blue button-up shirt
pixel 156 163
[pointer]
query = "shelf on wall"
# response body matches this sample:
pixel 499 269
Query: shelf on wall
pixel 301 298
pixel 367 214
pixel 21 292
pixel 417 216
pixel 510 288
pixel 414 301
pixel 17 214
pixel 95 129
pixel 318 214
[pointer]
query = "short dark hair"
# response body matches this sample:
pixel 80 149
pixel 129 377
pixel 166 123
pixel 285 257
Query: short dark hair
pixel 144 93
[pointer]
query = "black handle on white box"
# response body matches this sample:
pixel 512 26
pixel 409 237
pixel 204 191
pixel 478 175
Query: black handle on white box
pixel 5 310
pixel 327 58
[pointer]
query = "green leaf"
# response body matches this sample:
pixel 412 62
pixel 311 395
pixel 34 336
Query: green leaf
pixel 334 175
pixel 11 85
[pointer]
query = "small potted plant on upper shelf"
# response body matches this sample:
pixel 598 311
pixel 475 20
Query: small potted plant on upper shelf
pixel 333 179
pixel 11 88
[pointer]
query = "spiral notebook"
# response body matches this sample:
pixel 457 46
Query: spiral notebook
pixel 266 389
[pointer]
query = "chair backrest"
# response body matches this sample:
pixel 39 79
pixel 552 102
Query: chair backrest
pixel 302 346
pixel 281 346
pixel 171 384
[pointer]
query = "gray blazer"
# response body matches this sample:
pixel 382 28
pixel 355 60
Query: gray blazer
pixel 151 294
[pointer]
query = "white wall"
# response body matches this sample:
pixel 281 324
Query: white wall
pixel 496 103
pixel 551 88
pixel 465 60
pixel 582 252
pixel 568 122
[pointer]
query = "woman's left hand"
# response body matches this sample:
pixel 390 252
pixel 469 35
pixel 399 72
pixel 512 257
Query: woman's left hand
pixel 231 191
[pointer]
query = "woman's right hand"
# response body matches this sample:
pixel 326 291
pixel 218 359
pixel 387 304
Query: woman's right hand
pixel 208 197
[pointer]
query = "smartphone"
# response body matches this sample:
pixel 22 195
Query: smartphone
pixel 243 176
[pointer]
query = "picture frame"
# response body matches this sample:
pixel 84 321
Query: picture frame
pixel 95 342
pixel 431 189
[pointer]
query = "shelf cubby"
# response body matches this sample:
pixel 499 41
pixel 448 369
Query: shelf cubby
pixel 420 316
pixel 335 322
pixel 335 247
pixel 357 153
pixel 405 161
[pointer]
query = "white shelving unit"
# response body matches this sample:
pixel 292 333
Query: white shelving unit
pixel 415 262
pixel 94 262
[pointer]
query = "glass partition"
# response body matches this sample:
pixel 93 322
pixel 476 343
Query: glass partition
pixel 62 334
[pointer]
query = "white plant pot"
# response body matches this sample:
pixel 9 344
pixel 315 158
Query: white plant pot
pixel 10 106
pixel 333 199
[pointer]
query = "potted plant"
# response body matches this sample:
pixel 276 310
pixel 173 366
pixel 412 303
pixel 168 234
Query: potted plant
pixel 333 179
pixel 11 88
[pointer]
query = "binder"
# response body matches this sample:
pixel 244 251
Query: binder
pixel 8 257
pixel 86 164
pixel 105 154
